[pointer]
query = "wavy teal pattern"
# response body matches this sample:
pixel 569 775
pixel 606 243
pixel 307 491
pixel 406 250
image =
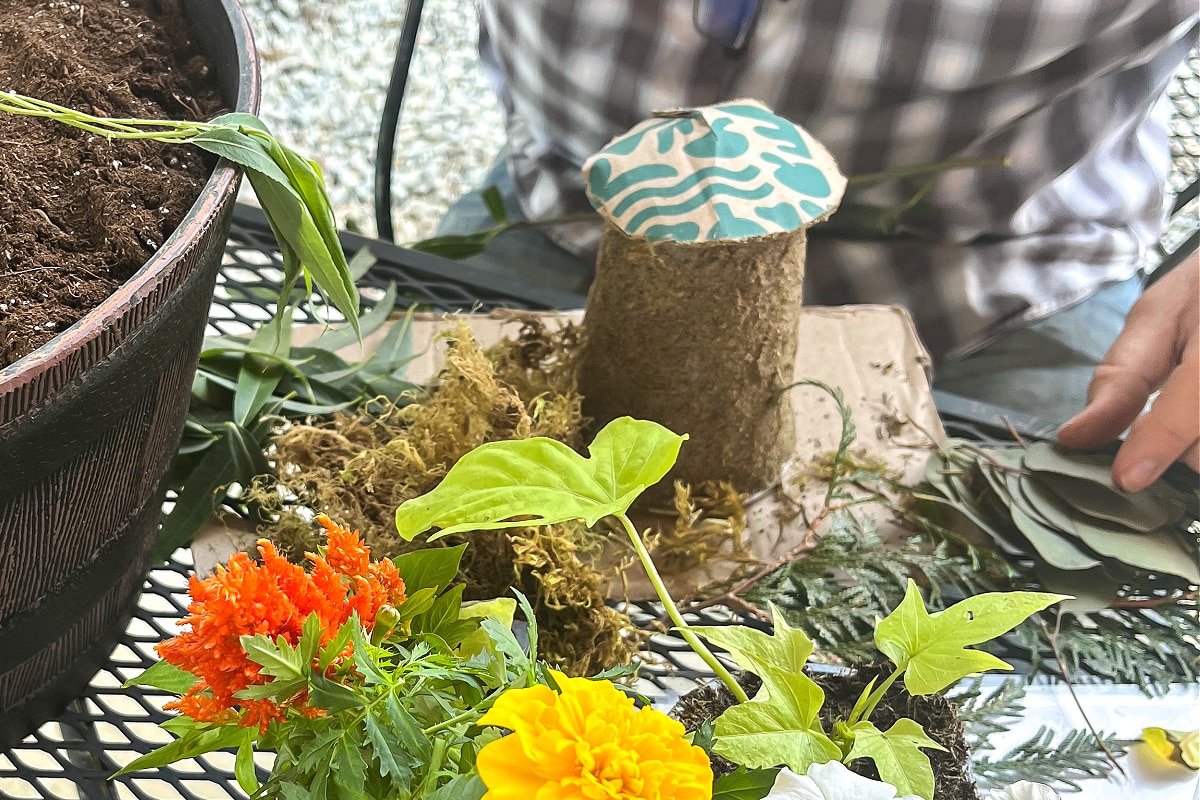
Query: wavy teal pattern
pixel 725 172
pixel 706 174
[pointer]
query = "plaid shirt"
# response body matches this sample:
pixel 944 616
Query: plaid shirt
pixel 1070 90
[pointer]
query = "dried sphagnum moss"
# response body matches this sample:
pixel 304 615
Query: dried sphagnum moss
pixel 358 468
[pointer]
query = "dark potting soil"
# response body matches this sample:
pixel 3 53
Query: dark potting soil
pixel 80 214
pixel 933 712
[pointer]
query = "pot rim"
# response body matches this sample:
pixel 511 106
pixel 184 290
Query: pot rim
pixel 217 191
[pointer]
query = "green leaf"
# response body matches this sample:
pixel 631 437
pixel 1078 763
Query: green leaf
pixel 302 245
pixel 258 378
pixel 242 149
pixel 325 261
pixel 190 745
pixel 460 787
pixel 743 784
pixel 456 246
pixel 384 746
pixel 165 676
pixel 197 500
pixel 243 765
pixel 501 609
pixel 780 728
pixel 787 650
pixel 541 481
pixel 429 568
pixel 417 603
pixel 278 659
pixel 413 740
pixel 332 696
pixel 364 662
pixel 931 648
pixel 334 647
pixel 897 755
pixel 495 204
pixel 349 768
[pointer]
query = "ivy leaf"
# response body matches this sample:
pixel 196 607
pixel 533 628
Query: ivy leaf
pixel 931 648
pixel 897 755
pixel 164 676
pixel 787 650
pixel 541 481
pixel 778 728
pixel 743 784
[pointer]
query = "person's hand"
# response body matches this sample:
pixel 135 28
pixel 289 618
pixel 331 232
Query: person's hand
pixel 1158 349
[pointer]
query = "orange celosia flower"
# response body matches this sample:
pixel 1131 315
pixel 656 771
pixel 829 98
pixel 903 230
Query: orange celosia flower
pixel 588 743
pixel 273 598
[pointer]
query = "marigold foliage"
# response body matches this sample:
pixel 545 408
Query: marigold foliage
pixel 272 598
pixel 585 742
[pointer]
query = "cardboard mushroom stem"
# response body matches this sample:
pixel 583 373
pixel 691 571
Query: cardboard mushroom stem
pixel 700 338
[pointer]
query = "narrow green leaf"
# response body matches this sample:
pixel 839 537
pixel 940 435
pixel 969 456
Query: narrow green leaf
pixel 495 204
pixel 194 743
pixel 243 765
pixel 413 740
pixel 293 222
pixel 363 661
pixel 541 481
pixel 349 768
pixel 165 676
pixel 257 379
pixel 456 247
pixel 242 149
pixel 332 696
pixel 334 647
pixel 196 502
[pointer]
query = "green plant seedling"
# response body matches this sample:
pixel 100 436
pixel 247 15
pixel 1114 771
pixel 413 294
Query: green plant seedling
pixel 542 481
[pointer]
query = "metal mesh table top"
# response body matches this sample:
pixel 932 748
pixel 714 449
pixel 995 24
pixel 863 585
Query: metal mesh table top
pixel 109 726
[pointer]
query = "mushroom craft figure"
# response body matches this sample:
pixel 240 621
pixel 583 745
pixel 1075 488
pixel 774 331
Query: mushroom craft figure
pixel 693 318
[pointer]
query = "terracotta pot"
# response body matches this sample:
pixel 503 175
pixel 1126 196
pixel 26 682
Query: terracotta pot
pixel 89 425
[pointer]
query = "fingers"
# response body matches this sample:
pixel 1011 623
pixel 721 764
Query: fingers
pixel 1117 394
pixel 1168 431
pixel 1136 364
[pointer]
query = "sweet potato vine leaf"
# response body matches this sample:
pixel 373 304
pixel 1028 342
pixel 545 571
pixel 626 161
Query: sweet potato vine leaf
pixel 541 481
pixel 779 725
pixel 931 649
pixel 897 755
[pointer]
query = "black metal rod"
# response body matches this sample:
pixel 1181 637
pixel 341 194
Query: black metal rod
pixel 385 144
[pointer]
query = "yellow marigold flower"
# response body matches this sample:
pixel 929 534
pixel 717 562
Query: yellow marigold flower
pixel 588 743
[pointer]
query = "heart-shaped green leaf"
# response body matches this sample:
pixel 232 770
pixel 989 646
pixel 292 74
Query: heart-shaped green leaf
pixel 541 481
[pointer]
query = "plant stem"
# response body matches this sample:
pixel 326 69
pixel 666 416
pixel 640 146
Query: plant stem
pixel 465 716
pixel 698 647
pixel 876 696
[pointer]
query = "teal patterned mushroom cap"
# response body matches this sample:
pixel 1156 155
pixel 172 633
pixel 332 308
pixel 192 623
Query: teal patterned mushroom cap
pixel 725 172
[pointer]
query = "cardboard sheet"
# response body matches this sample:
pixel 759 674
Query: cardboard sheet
pixel 871 353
